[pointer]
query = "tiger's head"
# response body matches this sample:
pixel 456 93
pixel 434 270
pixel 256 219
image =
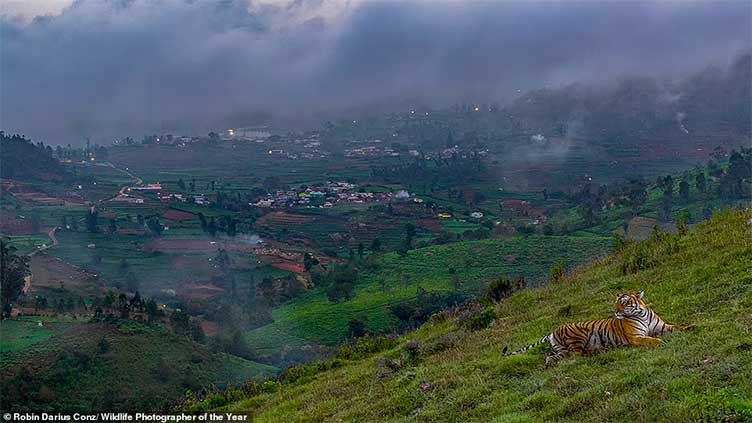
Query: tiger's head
pixel 628 305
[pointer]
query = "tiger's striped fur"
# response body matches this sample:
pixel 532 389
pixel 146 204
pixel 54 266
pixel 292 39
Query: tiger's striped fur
pixel 634 324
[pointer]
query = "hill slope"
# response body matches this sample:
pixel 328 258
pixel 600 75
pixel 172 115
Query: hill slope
pixel 88 367
pixel 704 278
pixel 312 318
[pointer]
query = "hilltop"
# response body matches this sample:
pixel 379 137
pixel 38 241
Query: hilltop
pixel 446 372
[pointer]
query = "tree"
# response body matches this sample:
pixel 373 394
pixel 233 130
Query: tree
pixel 211 228
pixel 376 245
pixel 684 189
pixel 409 234
pixel 123 306
pixel 13 271
pixel 360 249
pixel 309 261
pixel 103 346
pixel 230 228
pixel 357 328
pixel 557 271
pixel 152 310
pixel 340 283
pixel 202 219
pixel 700 182
pixel 91 220
pixel 181 184
pixel 180 322
pixel 197 332
pixel 112 228
pixel 155 226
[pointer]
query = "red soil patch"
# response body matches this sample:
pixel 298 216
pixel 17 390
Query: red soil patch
pixel 280 217
pixel 50 272
pixel 210 328
pixel 177 215
pixel 130 231
pixel 13 225
pixel 289 266
pixel 432 225
pixel 200 292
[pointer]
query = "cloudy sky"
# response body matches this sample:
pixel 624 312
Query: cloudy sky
pixel 110 68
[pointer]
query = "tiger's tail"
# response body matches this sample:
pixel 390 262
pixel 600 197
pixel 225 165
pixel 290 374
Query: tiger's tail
pixel 521 350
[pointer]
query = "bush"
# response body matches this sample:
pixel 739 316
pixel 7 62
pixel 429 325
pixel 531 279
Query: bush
pixel 443 342
pixel 647 254
pixel 557 271
pixel 365 346
pixel 476 317
pixel 307 371
pixel 502 287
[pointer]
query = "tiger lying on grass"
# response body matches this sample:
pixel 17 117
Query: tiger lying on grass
pixel 634 324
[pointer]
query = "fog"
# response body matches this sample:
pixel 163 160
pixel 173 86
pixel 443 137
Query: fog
pixel 111 68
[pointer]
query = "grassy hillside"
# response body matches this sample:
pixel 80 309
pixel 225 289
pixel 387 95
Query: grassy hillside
pixel 451 374
pixel 313 318
pixel 68 366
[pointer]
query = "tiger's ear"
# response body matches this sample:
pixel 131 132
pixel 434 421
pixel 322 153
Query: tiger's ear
pixel 641 294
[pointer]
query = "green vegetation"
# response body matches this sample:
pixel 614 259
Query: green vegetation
pixel 463 268
pixel 442 372
pixel 86 367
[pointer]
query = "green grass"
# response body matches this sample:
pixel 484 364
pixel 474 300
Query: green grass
pixel 702 375
pixel 142 368
pixel 313 318
pixel 22 332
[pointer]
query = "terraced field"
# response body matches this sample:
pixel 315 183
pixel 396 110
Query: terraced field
pixel 314 319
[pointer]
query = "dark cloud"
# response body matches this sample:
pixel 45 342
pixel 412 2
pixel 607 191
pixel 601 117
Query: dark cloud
pixel 107 68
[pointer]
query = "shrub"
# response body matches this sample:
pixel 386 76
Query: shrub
pixel 647 254
pixel 365 346
pixel 443 342
pixel 557 271
pixel 502 287
pixel 476 317
pixel 308 371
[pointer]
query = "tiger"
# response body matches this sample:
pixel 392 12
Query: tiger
pixel 634 323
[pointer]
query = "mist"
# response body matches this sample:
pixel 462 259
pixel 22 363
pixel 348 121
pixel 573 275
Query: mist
pixel 110 68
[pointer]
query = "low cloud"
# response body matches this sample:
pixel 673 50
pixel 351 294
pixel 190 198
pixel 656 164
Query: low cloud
pixel 110 68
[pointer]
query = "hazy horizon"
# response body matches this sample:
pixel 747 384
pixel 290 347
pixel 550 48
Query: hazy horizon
pixel 106 69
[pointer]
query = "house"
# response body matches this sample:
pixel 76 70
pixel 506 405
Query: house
pixel 147 187
pixel 263 203
pixel 476 215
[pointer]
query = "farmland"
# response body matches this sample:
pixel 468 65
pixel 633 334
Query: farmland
pixel 249 257
pixel 313 319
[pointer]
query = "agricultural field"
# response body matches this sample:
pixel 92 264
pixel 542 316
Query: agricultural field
pixel 312 318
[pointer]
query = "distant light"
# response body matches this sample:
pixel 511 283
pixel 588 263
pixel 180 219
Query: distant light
pixel 477 109
pixel 412 111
